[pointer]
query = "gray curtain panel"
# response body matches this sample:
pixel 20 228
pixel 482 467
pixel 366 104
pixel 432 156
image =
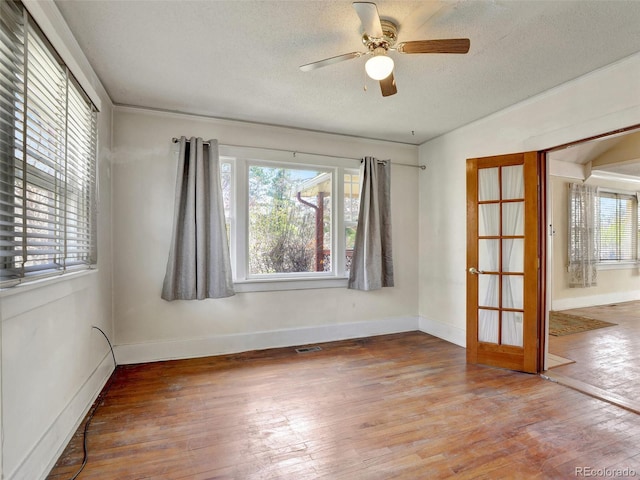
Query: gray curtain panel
pixel 372 263
pixel 199 265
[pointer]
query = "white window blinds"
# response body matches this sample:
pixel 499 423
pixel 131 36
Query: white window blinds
pixel 618 227
pixel 48 137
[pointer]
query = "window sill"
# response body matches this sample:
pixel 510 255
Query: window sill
pixel 277 284
pixel 618 266
pixel 29 285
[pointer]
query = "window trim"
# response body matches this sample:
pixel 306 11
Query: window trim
pixel 623 264
pixel 241 158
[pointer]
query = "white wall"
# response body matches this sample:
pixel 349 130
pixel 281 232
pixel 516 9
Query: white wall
pixel 599 102
pixel 53 363
pixel 149 328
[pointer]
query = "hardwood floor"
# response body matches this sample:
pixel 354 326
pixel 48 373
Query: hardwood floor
pixel 403 406
pixel 606 358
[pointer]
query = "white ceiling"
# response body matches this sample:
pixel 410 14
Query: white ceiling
pixel 585 152
pixel 240 59
pixel 617 154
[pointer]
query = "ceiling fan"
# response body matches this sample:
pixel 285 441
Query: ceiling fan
pixel 380 36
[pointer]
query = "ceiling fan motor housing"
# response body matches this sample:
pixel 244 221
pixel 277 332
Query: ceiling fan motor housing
pixel 388 39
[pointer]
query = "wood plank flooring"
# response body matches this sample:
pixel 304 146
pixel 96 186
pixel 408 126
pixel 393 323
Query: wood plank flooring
pixel 606 358
pixel 403 406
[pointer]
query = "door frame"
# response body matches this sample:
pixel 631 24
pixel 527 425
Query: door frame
pixel 543 256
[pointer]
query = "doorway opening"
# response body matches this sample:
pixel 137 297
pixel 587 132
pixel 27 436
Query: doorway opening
pixel 601 359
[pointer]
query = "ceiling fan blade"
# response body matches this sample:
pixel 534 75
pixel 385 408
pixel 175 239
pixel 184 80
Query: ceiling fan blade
pixel 368 13
pixel 329 61
pixel 388 86
pixel 452 45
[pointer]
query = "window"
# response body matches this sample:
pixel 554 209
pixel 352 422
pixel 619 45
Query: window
pixel 351 208
pixel 48 143
pixel 288 220
pixel 618 217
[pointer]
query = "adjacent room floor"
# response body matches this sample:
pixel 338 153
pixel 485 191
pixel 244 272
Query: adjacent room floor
pixel 402 406
pixel 605 358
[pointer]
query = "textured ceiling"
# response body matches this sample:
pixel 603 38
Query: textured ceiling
pixel 239 59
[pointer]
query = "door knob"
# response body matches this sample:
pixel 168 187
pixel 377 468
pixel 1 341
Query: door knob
pixel 475 271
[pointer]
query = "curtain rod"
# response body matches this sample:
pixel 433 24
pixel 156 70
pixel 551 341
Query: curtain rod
pixel 421 167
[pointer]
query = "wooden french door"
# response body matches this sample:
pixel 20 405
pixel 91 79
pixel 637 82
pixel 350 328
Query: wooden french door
pixel 503 261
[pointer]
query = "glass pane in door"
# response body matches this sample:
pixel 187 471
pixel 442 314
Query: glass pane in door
pixel 513 255
pixel 512 182
pixel 512 219
pixel 488 255
pixel 488 326
pixel 489 219
pixel 512 328
pixel 488 184
pixel 488 290
pixel 513 291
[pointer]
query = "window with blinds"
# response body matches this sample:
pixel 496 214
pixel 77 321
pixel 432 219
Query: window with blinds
pixel 48 138
pixel 618 227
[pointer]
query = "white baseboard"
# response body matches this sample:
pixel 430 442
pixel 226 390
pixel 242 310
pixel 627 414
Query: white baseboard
pixel 450 333
pixel 243 342
pixel 593 300
pixel 41 459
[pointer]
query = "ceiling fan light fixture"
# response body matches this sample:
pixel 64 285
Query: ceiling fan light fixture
pixel 380 65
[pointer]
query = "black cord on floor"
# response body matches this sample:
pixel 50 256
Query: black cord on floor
pixel 115 364
pixel 99 401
